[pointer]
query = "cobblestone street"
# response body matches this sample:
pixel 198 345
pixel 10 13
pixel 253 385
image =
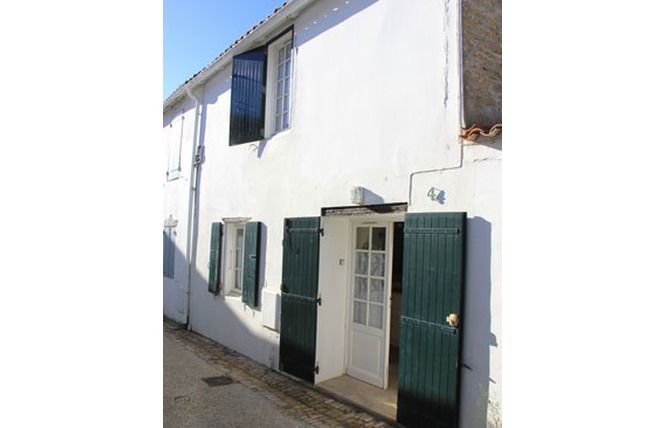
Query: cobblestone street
pixel 257 396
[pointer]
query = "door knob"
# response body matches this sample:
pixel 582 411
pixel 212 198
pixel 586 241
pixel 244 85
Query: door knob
pixel 452 320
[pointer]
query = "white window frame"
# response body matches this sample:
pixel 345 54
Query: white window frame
pixel 174 139
pixel 234 275
pixel 273 80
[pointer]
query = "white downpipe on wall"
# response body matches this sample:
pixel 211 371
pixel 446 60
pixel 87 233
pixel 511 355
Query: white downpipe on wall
pixel 460 104
pixel 190 205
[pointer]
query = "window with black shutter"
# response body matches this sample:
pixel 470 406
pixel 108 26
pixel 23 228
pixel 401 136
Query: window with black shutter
pixel 261 81
pixel 248 93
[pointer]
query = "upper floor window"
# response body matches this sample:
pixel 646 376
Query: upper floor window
pixel 261 91
pixel 174 133
pixel 282 87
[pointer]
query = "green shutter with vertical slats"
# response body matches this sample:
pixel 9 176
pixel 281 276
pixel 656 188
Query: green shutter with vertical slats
pixel 430 348
pixel 251 264
pixel 165 255
pixel 214 265
pixel 168 236
pixel 300 287
pixel 248 96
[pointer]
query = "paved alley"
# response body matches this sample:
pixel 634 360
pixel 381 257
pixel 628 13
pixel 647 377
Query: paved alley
pixel 241 393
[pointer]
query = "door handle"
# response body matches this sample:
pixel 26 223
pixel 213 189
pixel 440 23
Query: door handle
pixel 452 320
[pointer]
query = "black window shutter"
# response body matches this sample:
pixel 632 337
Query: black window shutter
pixel 248 96
pixel 251 263
pixel 214 266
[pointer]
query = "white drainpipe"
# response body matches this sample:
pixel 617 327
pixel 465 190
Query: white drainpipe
pixel 190 206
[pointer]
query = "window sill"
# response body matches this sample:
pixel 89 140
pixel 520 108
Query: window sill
pixel 274 137
pixel 279 135
pixel 173 175
pixel 236 294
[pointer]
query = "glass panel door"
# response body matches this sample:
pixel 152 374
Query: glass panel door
pixel 369 288
pixel 368 297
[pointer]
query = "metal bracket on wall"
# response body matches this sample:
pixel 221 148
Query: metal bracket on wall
pixel 198 158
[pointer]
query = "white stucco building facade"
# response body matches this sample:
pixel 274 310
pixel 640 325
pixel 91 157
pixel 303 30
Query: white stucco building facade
pixel 375 102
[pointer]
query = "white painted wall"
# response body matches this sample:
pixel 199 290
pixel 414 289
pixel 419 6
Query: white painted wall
pixel 176 195
pixel 375 100
pixel 364 50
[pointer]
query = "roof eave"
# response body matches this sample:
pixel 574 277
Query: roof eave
pixel 260 33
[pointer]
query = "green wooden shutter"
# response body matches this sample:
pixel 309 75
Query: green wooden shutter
pixel 251 262
pixel 300 286
pixel 168 253
pixel 248 96
pixel 165 254
pixel 430 349
pixel 214 265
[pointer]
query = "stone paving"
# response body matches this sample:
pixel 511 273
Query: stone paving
pixel 294 398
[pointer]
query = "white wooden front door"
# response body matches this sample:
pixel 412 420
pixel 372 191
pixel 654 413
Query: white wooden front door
pixel 366 359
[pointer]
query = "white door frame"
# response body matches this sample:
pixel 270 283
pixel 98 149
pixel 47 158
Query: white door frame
pixel 386 221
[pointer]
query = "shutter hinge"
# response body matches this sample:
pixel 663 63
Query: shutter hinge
pixel 316 368
pixel 318 300
pixel 321 232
